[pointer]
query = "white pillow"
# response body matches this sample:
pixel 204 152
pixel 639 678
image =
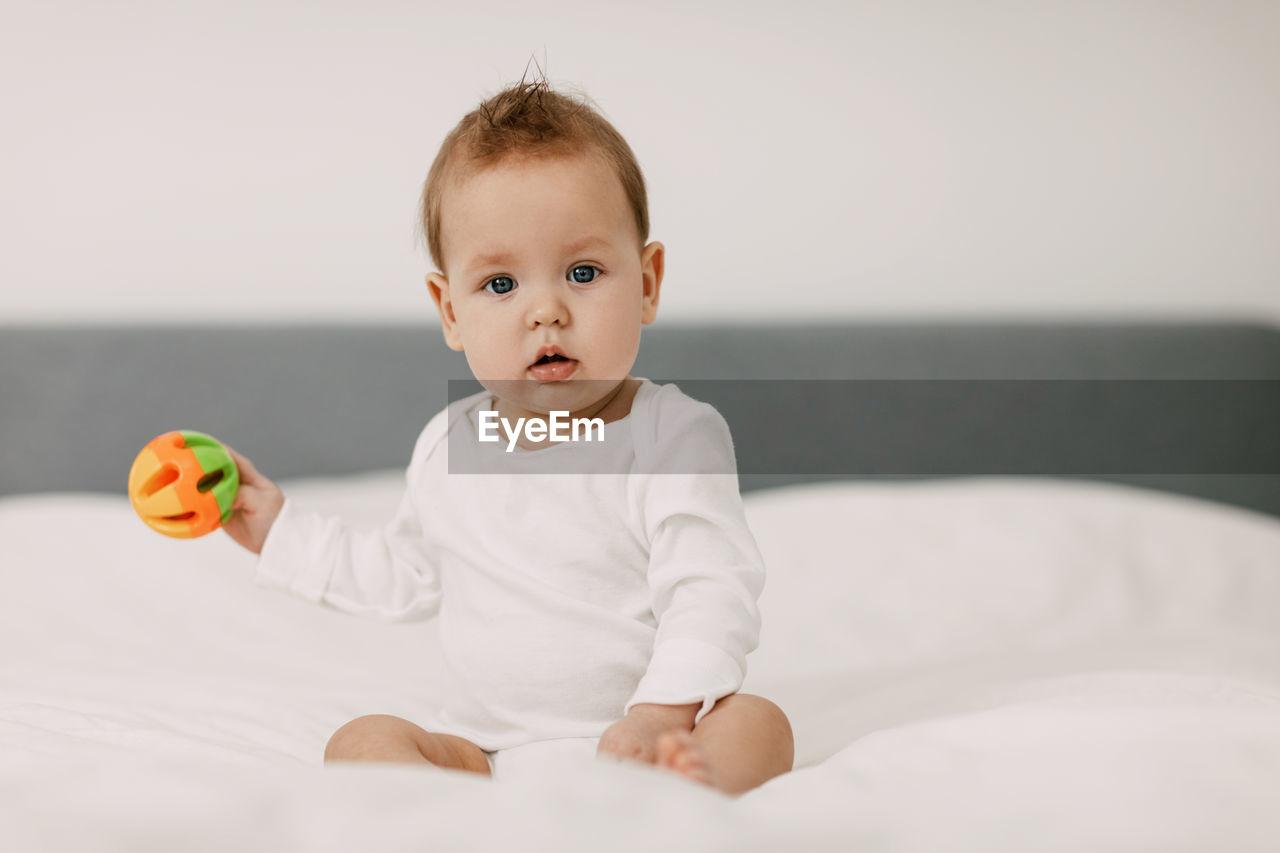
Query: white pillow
pixel 892 575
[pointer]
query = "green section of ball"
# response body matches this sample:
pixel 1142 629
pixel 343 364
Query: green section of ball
pixel 221 477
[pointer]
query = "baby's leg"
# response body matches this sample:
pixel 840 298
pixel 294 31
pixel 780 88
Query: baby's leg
pixel 380 737
pixel 742 742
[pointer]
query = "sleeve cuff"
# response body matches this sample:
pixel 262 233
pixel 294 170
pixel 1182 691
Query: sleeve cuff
pixel 683 671
pixel 285 561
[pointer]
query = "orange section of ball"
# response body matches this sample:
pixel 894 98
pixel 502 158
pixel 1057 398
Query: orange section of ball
pixel 162 489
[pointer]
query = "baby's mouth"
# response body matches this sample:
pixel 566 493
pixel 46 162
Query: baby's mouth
pixel 553 368
pixel 546 359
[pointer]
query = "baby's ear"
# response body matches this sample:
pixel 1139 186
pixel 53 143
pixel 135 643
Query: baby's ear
pixel 438 285
pixel 651 262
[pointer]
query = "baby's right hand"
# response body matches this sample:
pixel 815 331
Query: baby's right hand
pixel 255 508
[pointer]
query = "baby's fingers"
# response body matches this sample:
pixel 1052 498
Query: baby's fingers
pixel 243 496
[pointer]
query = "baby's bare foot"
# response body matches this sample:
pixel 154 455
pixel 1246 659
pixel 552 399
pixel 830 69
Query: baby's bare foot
pixel 686 755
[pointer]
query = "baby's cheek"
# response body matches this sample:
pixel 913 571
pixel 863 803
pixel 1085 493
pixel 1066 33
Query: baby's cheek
pixel 486 357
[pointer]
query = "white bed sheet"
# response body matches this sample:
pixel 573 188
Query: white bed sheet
pixel 981 664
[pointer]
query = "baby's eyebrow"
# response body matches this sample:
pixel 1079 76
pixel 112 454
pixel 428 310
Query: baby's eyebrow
pixel 587 243
pixel 501 257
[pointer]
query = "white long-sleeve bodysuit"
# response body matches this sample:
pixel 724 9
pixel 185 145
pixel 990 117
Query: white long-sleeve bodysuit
pixel 564 598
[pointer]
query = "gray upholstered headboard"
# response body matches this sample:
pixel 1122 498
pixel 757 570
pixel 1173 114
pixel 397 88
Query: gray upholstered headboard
pixel 78 403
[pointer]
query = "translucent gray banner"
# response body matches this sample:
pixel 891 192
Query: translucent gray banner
pixel 989 427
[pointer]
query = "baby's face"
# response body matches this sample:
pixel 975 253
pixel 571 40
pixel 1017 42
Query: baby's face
pixel 544 254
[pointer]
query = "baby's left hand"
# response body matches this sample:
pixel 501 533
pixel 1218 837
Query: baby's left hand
pixel 635 736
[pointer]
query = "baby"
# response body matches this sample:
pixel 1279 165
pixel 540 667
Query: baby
pixel 600 591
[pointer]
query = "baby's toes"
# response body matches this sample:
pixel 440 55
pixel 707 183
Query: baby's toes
pixel 684 754
pixel 668 749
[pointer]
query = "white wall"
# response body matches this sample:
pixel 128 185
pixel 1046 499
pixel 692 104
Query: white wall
pixel 242 161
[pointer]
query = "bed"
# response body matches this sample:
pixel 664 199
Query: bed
pixel 1057 654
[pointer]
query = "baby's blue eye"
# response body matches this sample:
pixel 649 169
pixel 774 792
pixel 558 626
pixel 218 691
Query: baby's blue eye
pixel 500 285
pixel 574 273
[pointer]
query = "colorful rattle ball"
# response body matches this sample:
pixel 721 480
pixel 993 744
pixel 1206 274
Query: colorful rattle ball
pixel 183 484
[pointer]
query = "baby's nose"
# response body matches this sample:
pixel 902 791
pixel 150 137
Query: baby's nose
pixel 548 309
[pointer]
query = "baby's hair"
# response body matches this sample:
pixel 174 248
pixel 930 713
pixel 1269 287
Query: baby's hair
pixel 527 120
